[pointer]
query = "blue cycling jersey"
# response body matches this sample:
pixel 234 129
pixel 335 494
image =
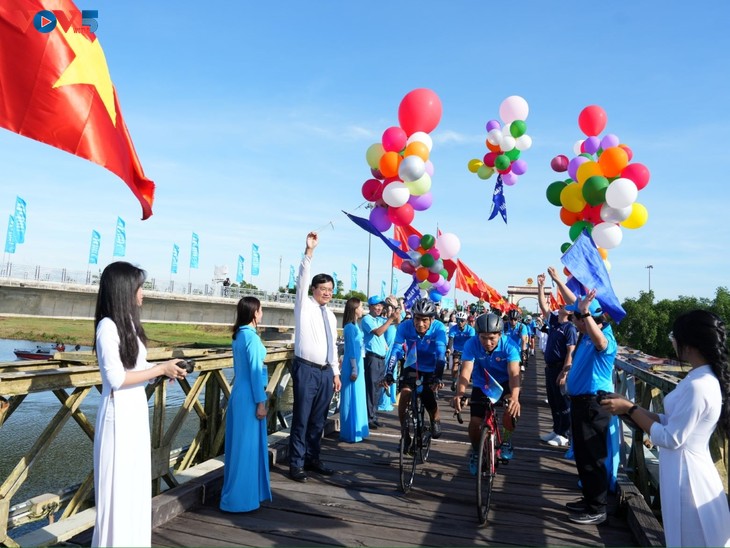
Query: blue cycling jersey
pixel 460 336
pixel 428 351
pixel 496 363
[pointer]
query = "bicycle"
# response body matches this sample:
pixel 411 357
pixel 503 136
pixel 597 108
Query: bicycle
pixel 490 441
pixel 415 439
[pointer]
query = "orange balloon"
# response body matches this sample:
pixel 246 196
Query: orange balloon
pixel 421 274
pixel 585 171
pixel 417 148
pixel 493 148
pixel 569 218
pixel 612 161
pixel 603 253
pixel 389 164
pixel 566 271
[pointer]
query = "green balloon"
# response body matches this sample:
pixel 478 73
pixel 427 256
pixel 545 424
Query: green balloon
pixel 518 128
pixel 589 156
pixel 594 190
pixel 502 162
pixel 444 274
pixel 553 192
pixel 512 154
pixel 427 241
pixel 484 171
pixel 578 227
pixel 427 260
pixel 565 247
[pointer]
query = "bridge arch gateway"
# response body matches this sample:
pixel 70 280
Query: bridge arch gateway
pixel 515 293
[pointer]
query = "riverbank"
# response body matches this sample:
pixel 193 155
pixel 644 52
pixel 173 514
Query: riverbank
pixel 73 332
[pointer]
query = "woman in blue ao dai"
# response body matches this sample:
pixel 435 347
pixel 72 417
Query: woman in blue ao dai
pixel 246 471
pixel 353 403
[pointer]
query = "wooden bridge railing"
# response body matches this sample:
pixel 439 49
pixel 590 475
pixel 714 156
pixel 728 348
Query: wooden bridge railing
pixel 72 376
pixel 647 380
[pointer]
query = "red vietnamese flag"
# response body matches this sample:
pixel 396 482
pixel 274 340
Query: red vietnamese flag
pixel 468 281
pixel 55 88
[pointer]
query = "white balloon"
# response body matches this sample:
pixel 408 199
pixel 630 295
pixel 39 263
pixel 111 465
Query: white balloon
pixel 448 245
pixel 495 136
pixel 415 257
pixel 513 108
pixel 411 168
pixel 396 194
pixel 508 142
pixel 607 235
pixel 621 193
pixel 524 142
pixel 421 137
pixel 576 147
pixel 614 215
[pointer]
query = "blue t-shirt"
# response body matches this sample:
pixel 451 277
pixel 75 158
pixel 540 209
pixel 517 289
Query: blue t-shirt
pixel 496 363
pixel 389 337
pixel 373 343
pixel 460 336
pixel 515 335
pixel 429 349
pixel 592 370
pixel 560 336
pixel 530 327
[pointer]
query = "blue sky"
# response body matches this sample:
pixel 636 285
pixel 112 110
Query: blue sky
pixel 253 119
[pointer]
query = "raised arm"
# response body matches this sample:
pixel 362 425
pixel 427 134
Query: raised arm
pixel 544 308
pixel 568 295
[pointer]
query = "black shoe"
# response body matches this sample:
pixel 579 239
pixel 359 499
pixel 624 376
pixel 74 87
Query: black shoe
pixel 318 467
pixel 436 430
pixel 373 425
pixel 377 423
pixel 298 474
pixel 588 518
pixel 577 505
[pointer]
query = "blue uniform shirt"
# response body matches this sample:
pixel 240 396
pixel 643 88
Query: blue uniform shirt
pixel 496 363
pixel 430 349
pixel 515 335
pixel 560 336
pixel 461 336
pixel 592 370
pixel 373 343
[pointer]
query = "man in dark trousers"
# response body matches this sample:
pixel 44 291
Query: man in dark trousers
pixel 315 369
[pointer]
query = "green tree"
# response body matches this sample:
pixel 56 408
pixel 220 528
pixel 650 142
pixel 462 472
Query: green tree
pixel 357 294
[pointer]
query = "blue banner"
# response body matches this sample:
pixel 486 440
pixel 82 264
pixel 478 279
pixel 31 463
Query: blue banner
pixel 175 256
pixel 393 245
pixel 20 220
pixel 239 270
pixel 292 279
pixel 353 278
pixel 120 238
pixel 255 260
pixel 334 278
pixel 94 248
pixel 411 295
pixel 393 284
pixel 383 287
pixel 493 390
pixel 10 238
pixel 498 203
pixel 194 251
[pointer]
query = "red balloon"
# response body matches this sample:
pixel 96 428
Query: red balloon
pixel 407 267
pixel 394 139
pixel 489 158
pixel 433 277
pixel 420 110
pixel 560 163
pixel 401 216
pixel 372 190
pixel 592 214
pixel 638 173
pixel 628 151
pixel 592 120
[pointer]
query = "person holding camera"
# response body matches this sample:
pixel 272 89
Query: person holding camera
pixel 694 505
pixel 122 449
pixel 246 469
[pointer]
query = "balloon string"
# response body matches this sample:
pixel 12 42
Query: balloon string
pixel 331 223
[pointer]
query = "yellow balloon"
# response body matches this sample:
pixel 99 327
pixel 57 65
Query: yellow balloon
pixel 420 186
pixel 587 170
pixel 571 197
pixel 637 219
pixel 474 165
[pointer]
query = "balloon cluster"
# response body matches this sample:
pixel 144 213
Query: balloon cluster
pixel 427 255
pixel 400 163
pixel 600 195
pixel 505 143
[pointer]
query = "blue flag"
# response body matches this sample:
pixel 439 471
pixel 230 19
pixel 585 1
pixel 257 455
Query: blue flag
pixel 94 248
pixel 10 238
pixel 120 238
pixel 383 294
pixel 411 356
pixel 239 271
pixel 20 220
pixel 586 266
pixel 194 251
pixel 353 278
pixel 175 255
pixel 255 260
pixel 411 295
pixel 334 277
pixel 498 203
pixel 292 279
pixel 493 390
pixel 368 227
pixel 393 284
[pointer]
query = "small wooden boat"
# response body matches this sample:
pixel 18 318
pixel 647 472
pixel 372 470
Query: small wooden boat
pixel 40 353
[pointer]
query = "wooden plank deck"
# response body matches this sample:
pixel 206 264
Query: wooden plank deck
pixel 361 505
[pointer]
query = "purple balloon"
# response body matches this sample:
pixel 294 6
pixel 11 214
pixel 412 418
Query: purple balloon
pixel 422 202
pixel 376 173
pixel 379 218
pixel 493 124
pixel 519 167
pixel 591 145
pixel 444 289
pixel 573 166
pixel 414 241
pixel 429 168
pixel 509 178
pixel 609 141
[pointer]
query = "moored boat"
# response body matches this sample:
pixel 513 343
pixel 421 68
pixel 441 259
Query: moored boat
pixel 40 353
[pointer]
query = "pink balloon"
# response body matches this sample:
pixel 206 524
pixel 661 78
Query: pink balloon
pixel 435 252
pixel 559 163
pixel 422 202
pixel 519 167
pixel 509 178
pixel 407 267
pixel 420 110
pixel 573 166
pixel 429 168
pixel 372 190
pixel 379 218
pixel 394 139
pixel 401 216
pixel 638 173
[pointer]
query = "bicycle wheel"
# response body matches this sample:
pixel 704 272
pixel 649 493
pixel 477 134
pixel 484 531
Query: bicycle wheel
pixel 408 452
pixel 424 445
pixel 485 474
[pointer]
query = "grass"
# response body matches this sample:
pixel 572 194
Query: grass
pixel 73 332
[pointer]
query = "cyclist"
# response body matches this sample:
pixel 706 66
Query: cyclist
pixel 492 352
pixel 425 352
pixel 531 330
pixel 458 335
pixel 517 334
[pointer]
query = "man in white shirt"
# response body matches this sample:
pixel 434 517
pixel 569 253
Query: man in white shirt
pixel 315 370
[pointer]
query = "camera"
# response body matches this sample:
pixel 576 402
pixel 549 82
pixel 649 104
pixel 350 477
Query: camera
pixel 187 365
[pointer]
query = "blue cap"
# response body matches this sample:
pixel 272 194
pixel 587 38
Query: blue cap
pixel 375 299
pixel 594 308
